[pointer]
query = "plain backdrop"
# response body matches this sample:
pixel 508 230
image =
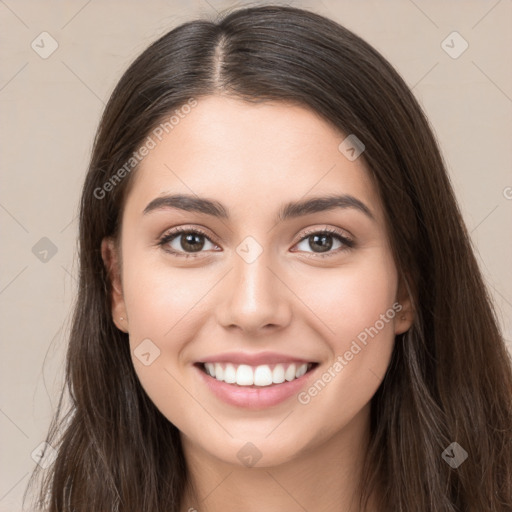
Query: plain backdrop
pixel 60 62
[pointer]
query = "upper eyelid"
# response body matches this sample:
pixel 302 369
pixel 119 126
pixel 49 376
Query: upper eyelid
pixel 332 231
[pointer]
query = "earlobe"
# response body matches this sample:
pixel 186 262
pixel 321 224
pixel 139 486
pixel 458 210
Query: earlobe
pixel 110 256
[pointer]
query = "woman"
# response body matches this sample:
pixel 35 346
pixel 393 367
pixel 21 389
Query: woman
pixel 279 307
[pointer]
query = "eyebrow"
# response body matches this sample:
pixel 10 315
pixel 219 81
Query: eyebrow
pixel 294 209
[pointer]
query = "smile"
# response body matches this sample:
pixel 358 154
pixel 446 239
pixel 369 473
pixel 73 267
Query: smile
pixel 255 387
pixel 256 376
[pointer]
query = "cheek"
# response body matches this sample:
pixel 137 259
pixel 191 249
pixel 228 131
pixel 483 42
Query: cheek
pixel 162 305
pixel 358 309
pixel 346 300
pixel 160 300
pixel 353 308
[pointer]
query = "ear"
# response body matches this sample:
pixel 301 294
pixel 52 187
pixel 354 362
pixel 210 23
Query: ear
pixel 110 256
pixel 404 317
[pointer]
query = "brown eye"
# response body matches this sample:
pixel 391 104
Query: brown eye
pixel 191 242
pixel 321 243
pixel 185 242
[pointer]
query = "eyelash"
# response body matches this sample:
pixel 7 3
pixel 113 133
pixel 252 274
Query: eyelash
pixel 347 242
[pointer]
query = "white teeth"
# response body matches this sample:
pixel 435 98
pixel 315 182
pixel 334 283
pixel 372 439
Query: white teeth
pixel 230 374
pixel 289 374
pixel 244 375
pixel 278 374
pixel 301 370
pixel 219 372
pixel 263 375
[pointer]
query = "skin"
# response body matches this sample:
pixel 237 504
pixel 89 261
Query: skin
pixel 252 159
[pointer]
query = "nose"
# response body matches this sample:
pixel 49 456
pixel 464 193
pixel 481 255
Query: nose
pixel 255 298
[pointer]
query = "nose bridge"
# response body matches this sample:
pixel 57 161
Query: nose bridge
pixel 254 295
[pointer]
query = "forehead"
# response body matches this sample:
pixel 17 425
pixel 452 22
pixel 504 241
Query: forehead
pixel 252 156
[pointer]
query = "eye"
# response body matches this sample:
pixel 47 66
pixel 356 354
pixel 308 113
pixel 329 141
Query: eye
pixel 323 240
pixel 185 241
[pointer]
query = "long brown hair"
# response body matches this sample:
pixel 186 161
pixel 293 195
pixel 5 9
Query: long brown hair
pixel 450 377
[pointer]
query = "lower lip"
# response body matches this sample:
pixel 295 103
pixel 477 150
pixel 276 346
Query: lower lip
pixel 252 397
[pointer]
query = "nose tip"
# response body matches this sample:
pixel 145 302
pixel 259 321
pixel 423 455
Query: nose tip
pixel 254 297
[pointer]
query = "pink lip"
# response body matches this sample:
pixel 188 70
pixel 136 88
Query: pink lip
pixel 253 359
pixel 254 397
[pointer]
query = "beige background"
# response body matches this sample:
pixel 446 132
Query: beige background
pixel 50 109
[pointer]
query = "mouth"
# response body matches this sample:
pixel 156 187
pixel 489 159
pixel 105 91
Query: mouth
pixel 247 376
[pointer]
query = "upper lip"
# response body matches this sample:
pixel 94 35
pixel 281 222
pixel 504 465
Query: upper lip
pixel 253 359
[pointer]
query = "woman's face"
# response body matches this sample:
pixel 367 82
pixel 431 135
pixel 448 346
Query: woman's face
pixel 262 286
